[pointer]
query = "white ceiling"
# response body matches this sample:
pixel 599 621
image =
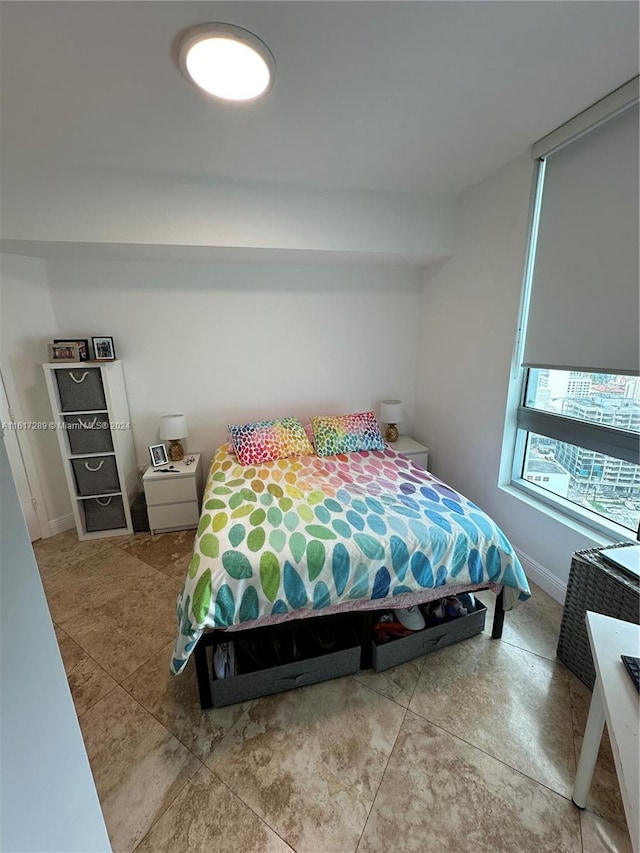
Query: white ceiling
pixel 408 96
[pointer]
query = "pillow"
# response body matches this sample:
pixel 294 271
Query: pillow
pixel 264 441
pixel 309 431
pixel 346 433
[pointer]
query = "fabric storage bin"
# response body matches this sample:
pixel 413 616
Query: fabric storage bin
pixel 600 587
pixel 104 513
pixel 239 688
pixel 80 389
pixel 88 433
pixel 290 655
pixel 97 475
pixel 427 640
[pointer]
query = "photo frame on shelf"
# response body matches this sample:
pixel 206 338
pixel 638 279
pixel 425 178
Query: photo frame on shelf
pixel 158 454
pixel 65 351
pixel 83 346
pixel 103 349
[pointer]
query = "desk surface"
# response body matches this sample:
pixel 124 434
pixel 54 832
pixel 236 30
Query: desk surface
pixel 610 638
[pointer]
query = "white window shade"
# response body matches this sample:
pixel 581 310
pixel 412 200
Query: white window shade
pixel 584 309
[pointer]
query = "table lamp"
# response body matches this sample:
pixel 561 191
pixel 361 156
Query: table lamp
pixel 172 429
pixel 391 414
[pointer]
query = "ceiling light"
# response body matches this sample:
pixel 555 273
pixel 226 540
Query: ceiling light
pixel 226 61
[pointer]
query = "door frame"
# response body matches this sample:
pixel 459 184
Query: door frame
pixel 24 456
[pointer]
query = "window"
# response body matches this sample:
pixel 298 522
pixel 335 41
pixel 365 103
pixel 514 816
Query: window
pixel 577 412
pixel 587 469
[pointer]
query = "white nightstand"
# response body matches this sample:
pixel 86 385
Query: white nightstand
pixel 173 499
pixel 413 450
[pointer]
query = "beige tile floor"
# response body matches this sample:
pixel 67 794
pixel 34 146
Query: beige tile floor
pixel 471 748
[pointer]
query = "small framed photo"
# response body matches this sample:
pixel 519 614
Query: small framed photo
pixel 103 349
pixel 83 346
pixel 66 351
pixel 158 453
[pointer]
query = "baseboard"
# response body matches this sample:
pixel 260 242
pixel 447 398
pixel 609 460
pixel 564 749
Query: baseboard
pixel 59 525
pixel 542 577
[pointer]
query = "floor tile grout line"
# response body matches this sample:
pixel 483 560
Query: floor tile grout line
pixel 68 673
pixel 159 721
pixel 244 803
pixel 383 774
pixel 489 755
pixel 187 779
pixel 228 732
pixel 86 710
pixel 119 679
pixel 378 692
pixel 171 734
pixel 513 645
pixel 165 810
pixel 580 830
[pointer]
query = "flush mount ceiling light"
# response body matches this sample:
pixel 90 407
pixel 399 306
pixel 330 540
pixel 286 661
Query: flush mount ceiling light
pixel 226 61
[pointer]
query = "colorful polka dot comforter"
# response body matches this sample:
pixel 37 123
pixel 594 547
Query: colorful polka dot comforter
pixel 295 536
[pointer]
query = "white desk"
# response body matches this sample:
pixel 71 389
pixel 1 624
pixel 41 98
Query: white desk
pixel 615 699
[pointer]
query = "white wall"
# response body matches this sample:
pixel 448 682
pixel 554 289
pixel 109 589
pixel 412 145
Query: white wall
pixel 27 325
pixel 469 319
pixel 159 210
pixel 228 343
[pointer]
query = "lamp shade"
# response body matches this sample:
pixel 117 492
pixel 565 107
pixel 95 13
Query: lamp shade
pixel 173 427
pixel 391 411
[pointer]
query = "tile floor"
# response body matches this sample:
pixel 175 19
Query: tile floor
pixel 471 748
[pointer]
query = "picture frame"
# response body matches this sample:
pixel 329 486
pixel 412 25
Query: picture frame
pixel 158 454
pixel 103 349
pixel 65 351
pixel 83 346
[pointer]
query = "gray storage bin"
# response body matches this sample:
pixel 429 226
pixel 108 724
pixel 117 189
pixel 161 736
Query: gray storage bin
pixel 80 389
pixel 428 640
pixel 88 433
pixel 239 688
pixel 104 513
pixel 97 475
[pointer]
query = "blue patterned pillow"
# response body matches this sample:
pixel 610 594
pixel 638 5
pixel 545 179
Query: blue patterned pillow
pixel 346 433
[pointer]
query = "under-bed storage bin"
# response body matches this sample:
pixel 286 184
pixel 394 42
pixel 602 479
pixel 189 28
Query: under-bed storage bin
pixel 427 640
pixel 600 587
pixel 104 513
pixel 80 389
pixel 97 475
pixel 88 433
pixel 343 660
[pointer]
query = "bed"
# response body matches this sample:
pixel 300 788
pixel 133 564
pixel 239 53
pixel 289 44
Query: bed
pixel 308 536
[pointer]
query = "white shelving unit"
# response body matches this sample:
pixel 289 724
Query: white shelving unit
pixel 91 414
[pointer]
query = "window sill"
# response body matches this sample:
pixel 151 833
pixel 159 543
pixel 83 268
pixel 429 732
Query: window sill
pixel 601 531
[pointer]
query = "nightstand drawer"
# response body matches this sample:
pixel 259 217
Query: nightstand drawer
pixel 170 491
pixel 173 515
pixel 421 459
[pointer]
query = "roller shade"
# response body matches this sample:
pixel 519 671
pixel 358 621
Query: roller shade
pixel 584 308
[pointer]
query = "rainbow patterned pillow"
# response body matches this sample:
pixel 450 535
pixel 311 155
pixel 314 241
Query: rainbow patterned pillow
pixel 265 441
pixel 346 433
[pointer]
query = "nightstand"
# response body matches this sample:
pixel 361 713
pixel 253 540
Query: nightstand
pixel 413 450
pixel 173 499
